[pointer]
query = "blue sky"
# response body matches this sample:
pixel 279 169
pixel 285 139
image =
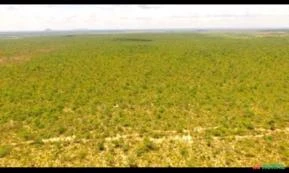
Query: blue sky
pixel 69 17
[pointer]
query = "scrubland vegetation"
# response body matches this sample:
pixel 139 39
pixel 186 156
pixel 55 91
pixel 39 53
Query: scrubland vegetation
pixel 144 100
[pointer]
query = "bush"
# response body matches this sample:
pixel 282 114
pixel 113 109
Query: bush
pixel 184 152
pixel 146 146
pixel 100 145
pixel 4 151
pixel 61 130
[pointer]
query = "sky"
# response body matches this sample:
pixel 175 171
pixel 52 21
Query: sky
pixel 73 17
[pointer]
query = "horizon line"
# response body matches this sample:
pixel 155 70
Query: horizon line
pixel 146 29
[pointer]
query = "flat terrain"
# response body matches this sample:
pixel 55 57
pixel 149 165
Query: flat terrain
pixel 191 99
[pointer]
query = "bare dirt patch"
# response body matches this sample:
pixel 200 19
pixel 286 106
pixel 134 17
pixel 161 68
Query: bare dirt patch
pixel 24 56
pixel 14 59
pixel 45 50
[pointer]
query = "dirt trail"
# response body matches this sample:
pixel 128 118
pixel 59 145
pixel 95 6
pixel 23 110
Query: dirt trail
pixel 168 136
pixel 266 132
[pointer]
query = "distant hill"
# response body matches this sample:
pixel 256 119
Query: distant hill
pixel 48 30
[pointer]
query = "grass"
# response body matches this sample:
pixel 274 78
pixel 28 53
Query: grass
pixel 143 86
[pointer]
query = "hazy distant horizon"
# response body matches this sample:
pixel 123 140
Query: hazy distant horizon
pixel 141 17
pixel 148 29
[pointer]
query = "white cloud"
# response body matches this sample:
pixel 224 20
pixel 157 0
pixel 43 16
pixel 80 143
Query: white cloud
pixel 63 17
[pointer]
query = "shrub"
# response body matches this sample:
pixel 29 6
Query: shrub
pixel 100 145
pixel 146 146
pixel 4 151
pixel 184 152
